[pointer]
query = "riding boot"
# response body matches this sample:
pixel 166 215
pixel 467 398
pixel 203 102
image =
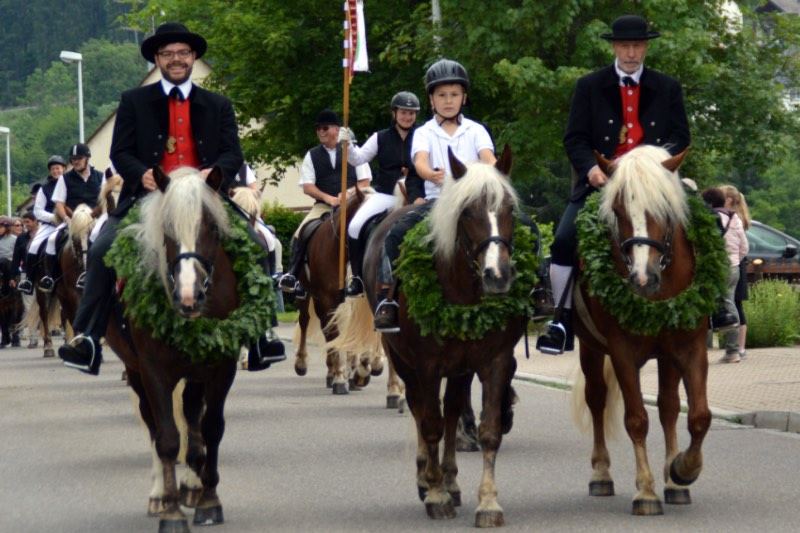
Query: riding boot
pixel 26 286
pixel 356 286
pixel 48 283
pixel 269 349
pixel 386 319
pixel 288 281
pixel 83 353
pixel 559 337
pixel 722 319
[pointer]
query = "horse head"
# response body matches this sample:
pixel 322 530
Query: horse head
pixel 190 222
pixel 644 204
pixel 475 214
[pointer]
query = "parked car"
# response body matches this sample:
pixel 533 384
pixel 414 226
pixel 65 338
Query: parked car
pixel 773 254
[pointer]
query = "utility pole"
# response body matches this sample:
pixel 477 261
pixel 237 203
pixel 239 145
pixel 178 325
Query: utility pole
pixel 436 19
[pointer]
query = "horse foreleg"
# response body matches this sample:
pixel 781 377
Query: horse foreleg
pixel 362 371
pixel 645 502
pixel 209 508
pixel 376 362
pixel 301 356
pixel 438 502
pixel 44 316
pixel 154 504
pixel 595 394
pixel 668 409
pixel 466 431
pixel 687 465
pixel 496 380
pixel 191 486
pixel 454 401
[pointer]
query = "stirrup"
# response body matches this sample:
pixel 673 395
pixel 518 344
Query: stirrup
pixel 550 343
pixel 299 291
pixel 80 284
pixel 380 313
pixel 287 283
pixel 90 367
pixel 47 284
pixel 25 287
pixel 355 289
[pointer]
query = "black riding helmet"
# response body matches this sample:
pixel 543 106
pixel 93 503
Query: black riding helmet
pixel 56 160
pixel 446 71
pixel 405 100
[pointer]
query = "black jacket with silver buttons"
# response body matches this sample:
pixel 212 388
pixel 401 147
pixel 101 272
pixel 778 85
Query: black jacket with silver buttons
pixel 141 131
pixel 595 119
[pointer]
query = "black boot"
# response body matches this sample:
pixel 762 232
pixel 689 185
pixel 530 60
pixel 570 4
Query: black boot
pixel 48 283
pixel 269 349
pixel 288 282
pixel 82 353
pixel 26 286
pixel 356 286
pixel 723 320
pixel 559 337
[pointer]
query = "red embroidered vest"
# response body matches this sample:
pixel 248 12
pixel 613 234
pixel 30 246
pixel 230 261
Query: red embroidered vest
pixel 631 132
pixel 180 139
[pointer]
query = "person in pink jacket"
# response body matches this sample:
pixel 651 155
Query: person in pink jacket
pixel 737 247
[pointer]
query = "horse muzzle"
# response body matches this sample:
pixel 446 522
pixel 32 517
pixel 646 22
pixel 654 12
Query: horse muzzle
pixel 645 284
pixel 497 280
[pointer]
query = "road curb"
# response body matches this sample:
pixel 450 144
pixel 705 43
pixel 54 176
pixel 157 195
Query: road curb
pixel 777 420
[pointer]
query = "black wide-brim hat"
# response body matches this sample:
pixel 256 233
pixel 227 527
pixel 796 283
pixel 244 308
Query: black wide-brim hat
pixel 172 32
pixel 630 28
pixel 327 117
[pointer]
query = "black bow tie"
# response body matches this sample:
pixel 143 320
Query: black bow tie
pixel 176 94
pixel 629 82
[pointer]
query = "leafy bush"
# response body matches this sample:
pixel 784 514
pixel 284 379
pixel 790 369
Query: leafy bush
pixel 285 222
pixel 773 314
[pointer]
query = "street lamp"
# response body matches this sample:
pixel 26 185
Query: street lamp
pixel 69 58
pixel 7 131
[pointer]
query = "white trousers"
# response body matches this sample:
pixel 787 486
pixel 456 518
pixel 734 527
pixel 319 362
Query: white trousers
pixel 98 225
pixel 51 240
pixel 273 244
pixel 44 231
pixel 376 203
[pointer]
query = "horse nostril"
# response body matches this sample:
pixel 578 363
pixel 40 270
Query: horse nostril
pixel 200 297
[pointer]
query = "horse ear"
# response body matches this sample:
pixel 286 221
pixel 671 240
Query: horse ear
pixel 675 161
pixel 215 178
pixel 456 166
pixel 162 180
pixel 605 165
pixel 504 163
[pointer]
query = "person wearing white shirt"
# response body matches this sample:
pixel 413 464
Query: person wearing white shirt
pixel 447 83
pixel 320 178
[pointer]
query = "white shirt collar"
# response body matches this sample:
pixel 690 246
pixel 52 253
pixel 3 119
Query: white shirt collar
pixel 621 74
pixel 185 87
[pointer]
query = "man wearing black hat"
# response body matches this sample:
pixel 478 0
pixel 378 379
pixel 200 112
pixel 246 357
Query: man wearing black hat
pixel 81 185
pixel 613 110
pixel 44 211
pixel 171 123
pixel 321 179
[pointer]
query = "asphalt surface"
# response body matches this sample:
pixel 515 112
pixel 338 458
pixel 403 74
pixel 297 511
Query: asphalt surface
pixel 75 458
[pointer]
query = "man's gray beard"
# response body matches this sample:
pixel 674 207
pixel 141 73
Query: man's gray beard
pixel 165 75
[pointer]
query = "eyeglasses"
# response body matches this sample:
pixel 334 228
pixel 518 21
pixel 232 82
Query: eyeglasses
pixel 323 128
pixel 171 54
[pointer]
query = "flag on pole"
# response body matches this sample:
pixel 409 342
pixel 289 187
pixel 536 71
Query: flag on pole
pixel 356 59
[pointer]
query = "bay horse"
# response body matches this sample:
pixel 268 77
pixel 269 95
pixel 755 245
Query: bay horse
pixel 11 307
pixel 471 226
pixel 182 226
pixel 320 279
pixel 644 204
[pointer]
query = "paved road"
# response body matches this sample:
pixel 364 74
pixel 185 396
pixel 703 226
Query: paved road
pixel 295 458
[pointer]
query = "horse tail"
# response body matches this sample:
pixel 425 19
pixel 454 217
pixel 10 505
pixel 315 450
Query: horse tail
pixel 353 320
pixel 612 415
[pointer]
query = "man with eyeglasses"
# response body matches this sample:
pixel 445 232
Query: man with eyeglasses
pixel 321 179
pixel 171 123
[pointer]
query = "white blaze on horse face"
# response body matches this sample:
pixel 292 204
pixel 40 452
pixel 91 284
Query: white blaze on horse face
pixel 492 258
pixel 640 252
pixel 186 279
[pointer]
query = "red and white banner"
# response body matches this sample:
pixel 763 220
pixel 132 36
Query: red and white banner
pixel 356 59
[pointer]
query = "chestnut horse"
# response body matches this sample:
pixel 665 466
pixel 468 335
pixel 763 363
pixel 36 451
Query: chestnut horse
pixel 645 205
pixel 320 279
pixel 471 226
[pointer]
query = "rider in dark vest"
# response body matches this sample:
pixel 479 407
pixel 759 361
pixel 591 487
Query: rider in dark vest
pixel 321 179
pixel 392 149
pixel 81 185
pixel 614 109
pixel 43 210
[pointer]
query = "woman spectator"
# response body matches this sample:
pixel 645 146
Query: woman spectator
pixel 735 201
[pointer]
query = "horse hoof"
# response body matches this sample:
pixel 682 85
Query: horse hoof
pixel 456 497
pixel 208 516
pixel 49 352
pixel 154 507
pixel 440 511
pixel 173 526
pixel 190 497
pixel 677 496
pixel 601 488
pixel 489 519
pixel 359 382
pixel 300 370
pixel 329 381
pixel 677 478
pixel 422 492
pixel 340 388
pixel 392 402
pixel 401 405
pixel 376 371
pixel 647 508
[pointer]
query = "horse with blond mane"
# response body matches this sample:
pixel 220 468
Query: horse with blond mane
pixel 647 224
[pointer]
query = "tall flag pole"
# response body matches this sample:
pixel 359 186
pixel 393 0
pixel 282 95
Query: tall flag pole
pixel 355 60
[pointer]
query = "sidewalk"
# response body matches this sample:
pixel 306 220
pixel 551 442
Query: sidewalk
pixel 763 390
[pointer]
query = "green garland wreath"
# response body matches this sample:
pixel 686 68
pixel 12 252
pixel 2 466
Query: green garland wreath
pixel 640 315
pixel 203 340
pixel 426 303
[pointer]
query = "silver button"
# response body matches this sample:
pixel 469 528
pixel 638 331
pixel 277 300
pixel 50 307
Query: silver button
pixel 155 153
pixel 630 125
pixel 610 121
pixel 658 140
pixel 630 141
pixel 180 156
pixel 653 123
pixel 630 93
pixel 199 142
pixel 605 138
pixel 630 110
pixel 160 136
pixel 180 121
pixel 180 138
